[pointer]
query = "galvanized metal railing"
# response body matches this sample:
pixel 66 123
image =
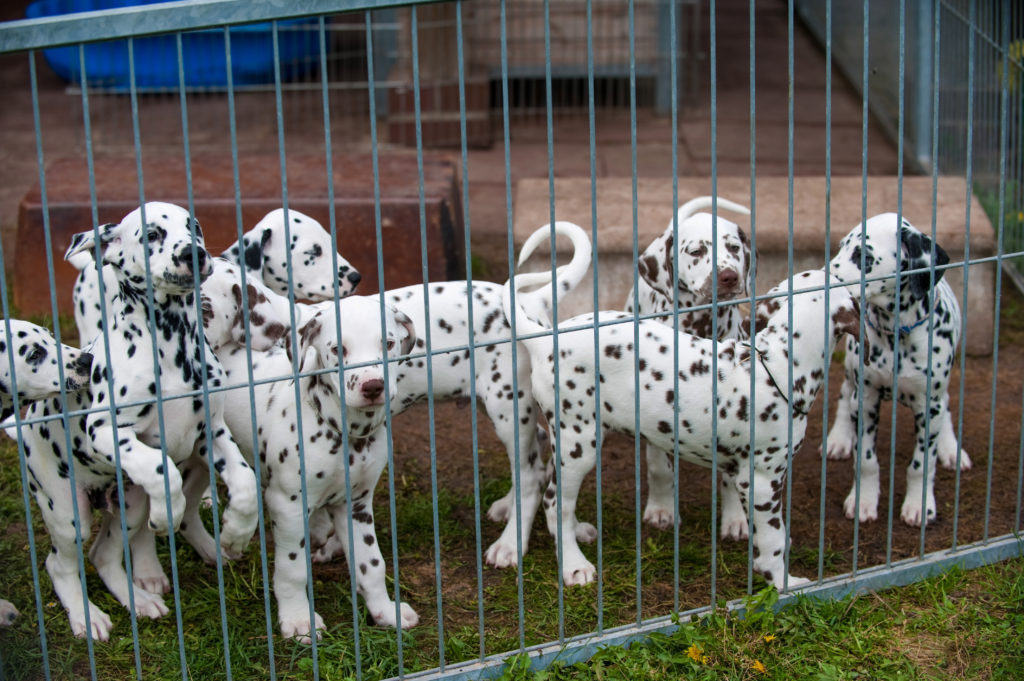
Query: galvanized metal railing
pixel 452 660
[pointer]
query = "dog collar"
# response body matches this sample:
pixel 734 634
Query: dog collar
pixel 905 328
pixel 771 378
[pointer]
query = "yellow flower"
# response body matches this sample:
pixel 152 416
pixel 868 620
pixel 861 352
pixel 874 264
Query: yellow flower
pixel 768 638
pixel 759 667
pixel 695 653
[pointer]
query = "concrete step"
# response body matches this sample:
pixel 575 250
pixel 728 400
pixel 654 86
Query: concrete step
pixel 769 231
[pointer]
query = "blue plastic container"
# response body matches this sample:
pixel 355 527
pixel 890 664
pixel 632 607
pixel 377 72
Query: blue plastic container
pixel 205 63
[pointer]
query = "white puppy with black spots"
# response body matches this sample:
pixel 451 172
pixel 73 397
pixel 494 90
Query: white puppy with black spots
pixel 30 358
pixel 264 252
pixel 146 448
pixel 870 253
pixel 713 257
pixel 450 377
pixel 573 406
pixel 265 255
pixel 327 393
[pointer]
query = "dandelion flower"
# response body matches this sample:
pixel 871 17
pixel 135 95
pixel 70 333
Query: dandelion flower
pixel 768 638
pixel 759 667
pixel 694 652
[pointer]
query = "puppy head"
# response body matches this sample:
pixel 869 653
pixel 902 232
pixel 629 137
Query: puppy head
pixel 808 300
pixel 361 346
pixel 312 267
pixel 33 352
pixel 882 249
pixel 697 272
pixel 224 310
pixel 172 238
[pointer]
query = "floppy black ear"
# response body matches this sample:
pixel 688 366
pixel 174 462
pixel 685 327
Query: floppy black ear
pixel 655 264
pixel 253 252
pixel 917 254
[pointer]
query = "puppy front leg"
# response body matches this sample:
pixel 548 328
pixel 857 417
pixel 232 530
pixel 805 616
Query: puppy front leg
pixel 866 507
pixel 290 568
pixel 145 466
pixel 769 531
pixel 240 516
pixel 578 459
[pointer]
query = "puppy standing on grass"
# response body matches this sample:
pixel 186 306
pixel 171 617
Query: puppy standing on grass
pixel 361 393
pixel 698 275
pixel 29 356
pixel 175 246
pixel 920 310
pixel 574 405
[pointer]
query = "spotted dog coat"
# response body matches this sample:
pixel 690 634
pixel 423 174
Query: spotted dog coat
pixel 174 244
pixel 495 373
pixel 29 356
pixel 230 320
pixel 264 252
pixel 573 404
pixel 920 310
pixel 697 275
pixel 265 259
pixel 362 395
pixel 33 361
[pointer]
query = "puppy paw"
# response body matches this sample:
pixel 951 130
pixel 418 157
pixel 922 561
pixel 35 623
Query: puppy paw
pixel 297 627
pixel 911 512
pixel 501 555
pixel 948 460
pixel 149 605
pixel 838 449
pixel 734 527
pixel 866 511
pixel 99 624
pixel 501 510
pixel 154 583
pixel 8 613
pixel 385 616
pixel 659 517
pixel 585 533
pixel 576 575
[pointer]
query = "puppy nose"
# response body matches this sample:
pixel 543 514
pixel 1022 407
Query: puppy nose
pixel 728 278
pixel 84 361
pixel 373 388
pixel 354 277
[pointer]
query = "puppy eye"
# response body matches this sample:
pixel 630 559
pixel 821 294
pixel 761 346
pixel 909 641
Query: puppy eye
pixel 732 248
pixel 390 344
pixel 696 251
pixel 35 355
pixel 334 351
pixel 344 351
pixel 153 236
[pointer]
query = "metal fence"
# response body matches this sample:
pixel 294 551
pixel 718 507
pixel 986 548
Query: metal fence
pixel 398 213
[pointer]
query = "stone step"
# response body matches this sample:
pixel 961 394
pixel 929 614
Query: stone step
pixel 770 230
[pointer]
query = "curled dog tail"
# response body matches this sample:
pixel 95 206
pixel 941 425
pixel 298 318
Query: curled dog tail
pixel 700 203
pixel 533 308
pixel 539 302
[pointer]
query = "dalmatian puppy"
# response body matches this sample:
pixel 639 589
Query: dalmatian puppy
pixel 263 253
pixel 29 354
pixel 729 273
pixel 920 309
pixel 29 357
pixel 185 363
pixel 449 325
pixel 226 310
pixel 328 391
pixel 572 402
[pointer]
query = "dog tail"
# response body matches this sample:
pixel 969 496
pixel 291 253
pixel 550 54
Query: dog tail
pixel 533 308
pixel 81 260
pixel 539 302
pixel 700 203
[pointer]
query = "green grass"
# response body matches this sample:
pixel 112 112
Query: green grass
pixel 961 625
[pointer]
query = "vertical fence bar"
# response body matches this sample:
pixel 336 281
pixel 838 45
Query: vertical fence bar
pixel 674 118
pixel 514 347
pixel 598 428
pixel 787 523
pixel 257 463
pixel 378 232
pixel 162 426
pixel 472 338
pixel 826 395
pixel 90 163
pixel 752 393
pixel 296 366
pixel 969 175
pixel 424 265
pixel 1004 43
pixel 203 348
pixel 713 66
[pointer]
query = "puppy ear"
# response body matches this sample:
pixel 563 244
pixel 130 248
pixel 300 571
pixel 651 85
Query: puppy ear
pixel 655 264
pixel 85 242
pixel 846 319
pixel 745 243
pixel 917 254
pixel 307 346
pixel 252 252
pixel 404 322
